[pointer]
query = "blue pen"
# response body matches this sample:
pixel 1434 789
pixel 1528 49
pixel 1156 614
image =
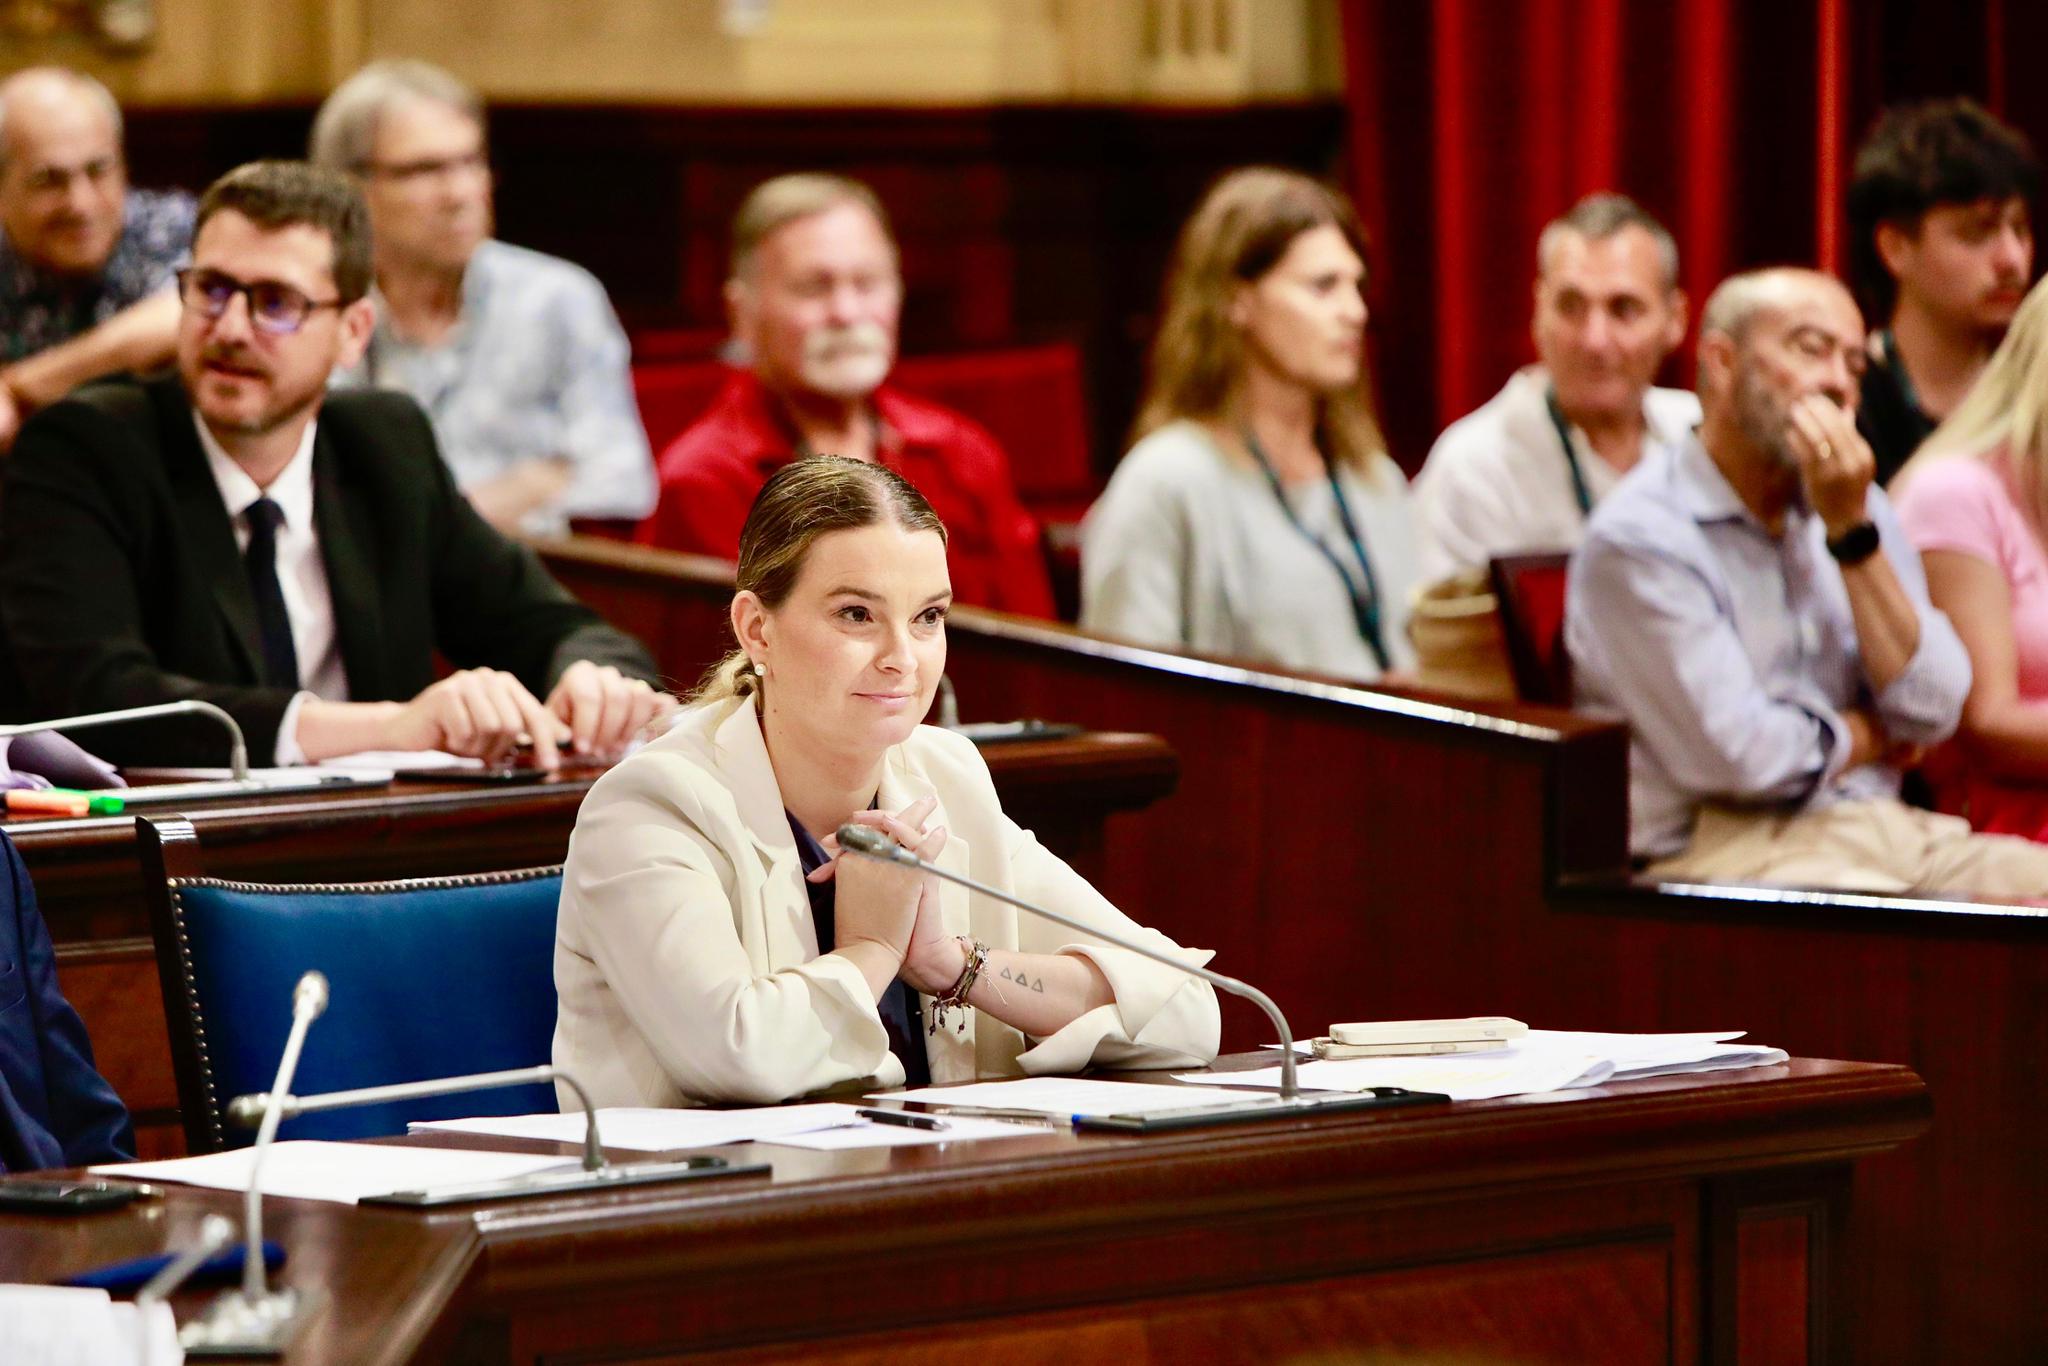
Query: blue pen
pixel 125 1278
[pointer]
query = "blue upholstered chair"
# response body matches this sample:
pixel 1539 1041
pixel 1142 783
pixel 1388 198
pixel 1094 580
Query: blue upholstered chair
pixel 429 977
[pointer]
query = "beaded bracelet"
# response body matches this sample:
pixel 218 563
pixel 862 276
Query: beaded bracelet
pixel 955 996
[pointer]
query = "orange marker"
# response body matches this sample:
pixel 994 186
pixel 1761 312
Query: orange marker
pixel 29 802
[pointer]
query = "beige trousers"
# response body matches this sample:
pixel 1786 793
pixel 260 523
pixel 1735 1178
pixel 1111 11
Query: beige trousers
pixel 1876 846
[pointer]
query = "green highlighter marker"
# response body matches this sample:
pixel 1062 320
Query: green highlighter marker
pixel 95 805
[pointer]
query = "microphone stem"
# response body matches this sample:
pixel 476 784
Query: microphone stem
pixel 294 1106
pixel 1288 1089
pixel 252 1207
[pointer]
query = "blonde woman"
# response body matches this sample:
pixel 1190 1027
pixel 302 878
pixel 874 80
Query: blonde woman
pixel 713 942
pixel 1257 516
pixel 1975 501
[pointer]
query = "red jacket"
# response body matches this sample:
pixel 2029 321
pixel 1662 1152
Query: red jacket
pixel 710 474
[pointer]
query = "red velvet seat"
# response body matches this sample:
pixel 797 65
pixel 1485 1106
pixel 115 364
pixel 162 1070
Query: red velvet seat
pixel 1530 591
pixel 677 343
pixel 672 394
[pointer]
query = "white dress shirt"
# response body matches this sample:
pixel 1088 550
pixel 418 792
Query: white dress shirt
pixel 1496 482
pixel 301 573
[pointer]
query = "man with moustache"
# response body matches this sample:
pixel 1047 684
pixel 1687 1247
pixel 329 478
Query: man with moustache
pixel 1522 473
pixel 85 262
pixel 516 356
pixel 1749 605
pixel 236 535
pixel 1942 249
pixel 814 296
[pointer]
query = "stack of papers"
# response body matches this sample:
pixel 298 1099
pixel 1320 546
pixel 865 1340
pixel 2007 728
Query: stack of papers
pixel 1544 1060
pixel 825 1125
pixel 308 1169
pixel 1066 1097
pixel 654 1131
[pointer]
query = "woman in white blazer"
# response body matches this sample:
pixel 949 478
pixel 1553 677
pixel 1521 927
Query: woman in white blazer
pixel 715 945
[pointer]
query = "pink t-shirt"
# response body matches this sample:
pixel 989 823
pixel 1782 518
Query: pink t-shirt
pixel 1971 507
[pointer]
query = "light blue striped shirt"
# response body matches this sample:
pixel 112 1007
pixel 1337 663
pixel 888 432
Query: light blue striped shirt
pixel 1732 654
pixel 538 367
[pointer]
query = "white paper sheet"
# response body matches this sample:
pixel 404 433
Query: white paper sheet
pixel 307 1169
pixel 61 1325
pixel 864 1134
pixel 655 1131
pixel 1069 1096
pixel 1545 1060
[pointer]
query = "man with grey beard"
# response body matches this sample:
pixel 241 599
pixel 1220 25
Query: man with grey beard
pixel 1747 603
pixel 814 295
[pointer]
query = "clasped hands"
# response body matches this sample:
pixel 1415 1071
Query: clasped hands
pixel 487 714
pixel 894 907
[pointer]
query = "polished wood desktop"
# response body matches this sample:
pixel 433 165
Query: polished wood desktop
pixel 1684 1219
pixel 1376 854
pixel 88 875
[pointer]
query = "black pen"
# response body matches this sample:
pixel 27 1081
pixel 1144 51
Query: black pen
pixel 903 1117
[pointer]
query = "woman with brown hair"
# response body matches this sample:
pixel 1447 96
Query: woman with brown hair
pixel 1258 516
pixel 714 944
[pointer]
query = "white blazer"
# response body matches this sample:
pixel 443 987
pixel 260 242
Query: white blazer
pixel 687 963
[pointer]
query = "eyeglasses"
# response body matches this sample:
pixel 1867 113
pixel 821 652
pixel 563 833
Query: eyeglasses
pixel 274 308
pixel 419 172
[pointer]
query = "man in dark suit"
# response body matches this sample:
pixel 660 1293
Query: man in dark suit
pixel 237 535
pixel 56 1110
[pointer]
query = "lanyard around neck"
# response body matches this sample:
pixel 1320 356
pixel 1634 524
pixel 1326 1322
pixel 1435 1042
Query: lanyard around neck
pixel 1571 455
pixel 1365 609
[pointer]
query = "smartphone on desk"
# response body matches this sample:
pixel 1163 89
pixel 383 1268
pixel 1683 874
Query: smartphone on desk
pixel 46 1196
pixel 494 774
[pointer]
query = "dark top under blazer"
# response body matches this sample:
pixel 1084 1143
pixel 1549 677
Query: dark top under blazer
pixel 56 1110
pixel 121 584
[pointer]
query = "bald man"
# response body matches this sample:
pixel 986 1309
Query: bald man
pixel 85 264
pixel 1747 603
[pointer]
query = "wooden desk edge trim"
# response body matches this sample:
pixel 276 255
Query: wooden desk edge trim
pixel 1806 1120
pixel 1623 893
pixel 1543 724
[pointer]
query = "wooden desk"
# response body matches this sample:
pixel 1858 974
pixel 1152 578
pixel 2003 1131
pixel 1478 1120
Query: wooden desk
pixel 88 877
pixel 1370 854
pixel 1690 1219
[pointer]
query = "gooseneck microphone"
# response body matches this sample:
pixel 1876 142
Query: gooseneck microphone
pixel 238 749
pixel 865 839
pixel 309 1002
pixel 249 1111
pixel 872 843
pixel 255 1320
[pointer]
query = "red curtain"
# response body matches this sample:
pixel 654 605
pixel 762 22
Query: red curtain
pixel 1474 122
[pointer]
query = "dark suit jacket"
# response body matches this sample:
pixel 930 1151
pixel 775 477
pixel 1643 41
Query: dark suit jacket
pixel 121 585
pixel 56 1110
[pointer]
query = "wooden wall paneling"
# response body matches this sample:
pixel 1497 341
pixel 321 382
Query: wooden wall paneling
pixel 1018 224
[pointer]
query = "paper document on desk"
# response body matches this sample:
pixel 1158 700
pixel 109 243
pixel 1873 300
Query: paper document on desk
pixel 1545 1060
pixel 308 1169
pixel 1071 1095
pixel 60 1325
pixel 633 1129
pixel 862 1134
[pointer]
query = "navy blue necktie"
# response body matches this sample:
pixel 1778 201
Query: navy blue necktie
pixel 280 659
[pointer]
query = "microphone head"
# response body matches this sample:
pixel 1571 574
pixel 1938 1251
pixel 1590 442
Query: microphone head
pixel 246 1111
pixel 865 839
pixel 309 998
